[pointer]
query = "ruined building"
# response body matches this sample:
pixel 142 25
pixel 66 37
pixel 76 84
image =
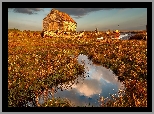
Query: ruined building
pixel 57 20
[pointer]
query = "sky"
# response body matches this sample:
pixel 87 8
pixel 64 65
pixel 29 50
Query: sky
pixel 87 18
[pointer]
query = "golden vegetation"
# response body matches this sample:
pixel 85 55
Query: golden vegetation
pixel 36 63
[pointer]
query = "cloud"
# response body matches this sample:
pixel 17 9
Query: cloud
pixel 79 12
pixel 98 72
pixel 76 12
pixel 89 87
pixel 27 10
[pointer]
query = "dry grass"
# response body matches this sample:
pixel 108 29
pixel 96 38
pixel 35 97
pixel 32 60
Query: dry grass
pixel 36 63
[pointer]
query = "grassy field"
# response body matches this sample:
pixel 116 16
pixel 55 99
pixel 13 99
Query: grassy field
pixel 36 64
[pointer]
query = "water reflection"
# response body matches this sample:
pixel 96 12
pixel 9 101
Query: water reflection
pixel 99 81
pixel 125 36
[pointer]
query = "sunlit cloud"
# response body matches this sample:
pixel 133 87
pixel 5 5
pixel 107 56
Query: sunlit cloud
pixel 89 87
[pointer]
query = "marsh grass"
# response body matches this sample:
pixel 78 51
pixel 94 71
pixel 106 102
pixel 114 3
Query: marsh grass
pixel 36 63
pixel 57 102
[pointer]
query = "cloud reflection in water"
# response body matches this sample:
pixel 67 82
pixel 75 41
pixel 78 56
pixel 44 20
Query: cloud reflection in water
pixel 100 81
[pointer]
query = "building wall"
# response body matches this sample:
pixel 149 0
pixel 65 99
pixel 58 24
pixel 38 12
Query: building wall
pixel 58 21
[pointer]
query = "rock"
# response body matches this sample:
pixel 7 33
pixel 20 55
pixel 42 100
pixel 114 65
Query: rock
pixel 57 20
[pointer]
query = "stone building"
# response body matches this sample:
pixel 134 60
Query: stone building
pixel 57 20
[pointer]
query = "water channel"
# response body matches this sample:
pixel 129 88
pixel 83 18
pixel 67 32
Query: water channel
pixel 126 36
pixel 99 82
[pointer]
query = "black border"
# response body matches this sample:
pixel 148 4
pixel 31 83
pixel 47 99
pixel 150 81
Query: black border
pixel 6 5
